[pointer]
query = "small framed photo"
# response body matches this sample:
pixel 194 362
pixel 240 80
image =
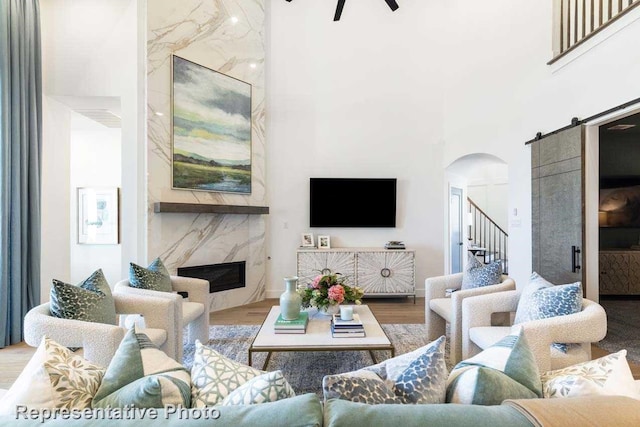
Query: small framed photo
pixel 324 242
pixel 98 216
pixel 307 240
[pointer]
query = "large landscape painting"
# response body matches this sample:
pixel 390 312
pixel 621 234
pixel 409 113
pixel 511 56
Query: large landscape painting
pixel 211 130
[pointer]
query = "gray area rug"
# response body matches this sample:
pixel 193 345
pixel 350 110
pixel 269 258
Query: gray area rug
pixel 304 370
pixel 623 327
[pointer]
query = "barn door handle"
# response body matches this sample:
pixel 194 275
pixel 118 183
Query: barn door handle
pixel 575 259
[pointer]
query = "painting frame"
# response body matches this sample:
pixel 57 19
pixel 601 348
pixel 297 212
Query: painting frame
pixel 306 240
pixel 98 215
pixel 211 129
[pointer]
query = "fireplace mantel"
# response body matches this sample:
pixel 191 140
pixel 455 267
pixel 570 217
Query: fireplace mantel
pixel 171 207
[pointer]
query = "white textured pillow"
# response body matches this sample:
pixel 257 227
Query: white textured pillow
pixel 54 378
pixel 214 377
pixel 608 375
pixel 264 388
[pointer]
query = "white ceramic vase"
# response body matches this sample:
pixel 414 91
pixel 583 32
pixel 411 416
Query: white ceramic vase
pixel 290 300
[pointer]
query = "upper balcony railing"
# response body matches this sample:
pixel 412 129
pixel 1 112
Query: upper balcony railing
pixel 577 20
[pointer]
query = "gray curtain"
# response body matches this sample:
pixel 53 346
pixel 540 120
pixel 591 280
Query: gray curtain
pixel 21 133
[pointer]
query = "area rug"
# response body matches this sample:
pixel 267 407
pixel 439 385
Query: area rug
pixel 304 370
pixel 623 327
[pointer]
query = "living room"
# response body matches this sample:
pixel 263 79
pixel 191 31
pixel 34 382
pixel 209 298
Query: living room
pixel 398 94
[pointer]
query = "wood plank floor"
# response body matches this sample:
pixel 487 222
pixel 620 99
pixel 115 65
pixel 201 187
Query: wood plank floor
pixel 14 358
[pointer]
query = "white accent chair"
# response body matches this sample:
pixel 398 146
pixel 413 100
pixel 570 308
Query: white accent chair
pixel 100 341
pixel 440 310
pixel 193 313
pixel 583 328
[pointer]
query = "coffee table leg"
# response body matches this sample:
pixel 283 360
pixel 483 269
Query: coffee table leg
pixel 373 357
pixel 250 354
pixel 266 361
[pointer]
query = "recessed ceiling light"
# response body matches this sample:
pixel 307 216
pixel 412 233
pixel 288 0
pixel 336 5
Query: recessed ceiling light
pixel 158 113
pixel 253 65
pixel 234 20
pixel 621 127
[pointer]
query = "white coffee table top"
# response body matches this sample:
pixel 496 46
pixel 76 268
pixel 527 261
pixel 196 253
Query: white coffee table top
pixel 318 335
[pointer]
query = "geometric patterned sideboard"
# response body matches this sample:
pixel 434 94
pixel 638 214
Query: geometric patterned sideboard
pixel 619 272
pixel 379 272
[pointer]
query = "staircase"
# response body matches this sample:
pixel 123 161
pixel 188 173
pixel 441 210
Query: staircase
pixel 487 241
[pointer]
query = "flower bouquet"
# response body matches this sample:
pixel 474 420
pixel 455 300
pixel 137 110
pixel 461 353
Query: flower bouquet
pixel 329 290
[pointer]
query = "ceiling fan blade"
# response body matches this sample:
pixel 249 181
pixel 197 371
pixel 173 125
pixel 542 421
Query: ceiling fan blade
pixel 392 4
pixel 339 8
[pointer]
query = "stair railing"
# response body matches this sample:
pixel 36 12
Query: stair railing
pixel 485 234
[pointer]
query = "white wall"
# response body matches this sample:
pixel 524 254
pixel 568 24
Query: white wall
pixel 361 97
pixel 94 162
pixel 500 91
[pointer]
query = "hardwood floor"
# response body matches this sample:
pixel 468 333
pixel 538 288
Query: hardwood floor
pixel 392 310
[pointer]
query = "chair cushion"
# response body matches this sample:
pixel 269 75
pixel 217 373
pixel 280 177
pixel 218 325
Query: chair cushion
pixel 54 378
pixel 477 274
pixel 141 375
pixel 417 377
pixel 155 277
pixel 442 306
pixel 510 356
pixel 608 375
pixel 542 299
pixel 90 301
pixel 486 336
pixel 191 311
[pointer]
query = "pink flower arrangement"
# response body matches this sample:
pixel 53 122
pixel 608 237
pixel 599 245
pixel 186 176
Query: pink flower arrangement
pixel 329 289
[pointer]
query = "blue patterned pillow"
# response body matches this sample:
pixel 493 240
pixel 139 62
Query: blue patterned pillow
pixel 477 274
pixel 542 300
pixel 155 277
pixel 89 301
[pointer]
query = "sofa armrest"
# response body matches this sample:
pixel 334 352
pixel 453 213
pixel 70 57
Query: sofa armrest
pixel 435 287
pixel 124 287
pixel 159 313
pixel 198 289
pixel 477 310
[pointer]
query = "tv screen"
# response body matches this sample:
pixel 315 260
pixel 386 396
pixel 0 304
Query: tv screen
pixel 352 202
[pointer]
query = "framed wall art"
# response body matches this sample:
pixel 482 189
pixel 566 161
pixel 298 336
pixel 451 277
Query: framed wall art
pixel 98 216
pixel 211 129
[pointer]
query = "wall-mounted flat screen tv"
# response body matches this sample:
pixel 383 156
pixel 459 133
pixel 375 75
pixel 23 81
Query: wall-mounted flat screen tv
pixel 352 202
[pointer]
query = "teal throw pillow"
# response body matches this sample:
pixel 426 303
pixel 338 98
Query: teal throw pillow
pixel 542 299
pixel 155 277
pixel 89 300
pixel 510 356
pixel 142 375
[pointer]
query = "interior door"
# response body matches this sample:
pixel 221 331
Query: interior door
pixel 455 227
pixel 557 206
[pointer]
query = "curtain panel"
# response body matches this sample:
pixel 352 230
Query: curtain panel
pixel 20 165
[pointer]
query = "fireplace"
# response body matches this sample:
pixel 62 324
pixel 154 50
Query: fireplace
pixel 221 277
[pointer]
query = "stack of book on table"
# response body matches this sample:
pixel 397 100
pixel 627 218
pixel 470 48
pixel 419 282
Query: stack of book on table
pixel 347 328
pixel 298 326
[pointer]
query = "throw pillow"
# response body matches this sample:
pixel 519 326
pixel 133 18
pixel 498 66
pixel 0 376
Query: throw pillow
pixel 214 376
pixel 54 378
pixel 155 277
pixel 416 377
pixel 477 385
pixel 89 301
pixel 477 274
pixel 141 374
pixel 264 388
pixel 542 299
pixel 510 356
pixel 608 375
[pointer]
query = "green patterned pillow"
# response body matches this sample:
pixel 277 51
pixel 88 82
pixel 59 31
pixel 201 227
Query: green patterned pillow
pixel 268 387
pixel 477 385
pixel 510 356
pixel 90 300
pixel 141 374
pixel 155 277
pixel 54 378
pixel 214 376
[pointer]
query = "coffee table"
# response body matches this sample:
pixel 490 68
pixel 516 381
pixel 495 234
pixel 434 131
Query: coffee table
pixel 318 336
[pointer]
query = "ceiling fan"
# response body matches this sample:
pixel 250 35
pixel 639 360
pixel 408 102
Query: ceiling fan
pixel 392 4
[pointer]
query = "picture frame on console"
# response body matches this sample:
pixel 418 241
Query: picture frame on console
pixel 210 129
pixel 98 216
pixel 324 242
pixel 307 240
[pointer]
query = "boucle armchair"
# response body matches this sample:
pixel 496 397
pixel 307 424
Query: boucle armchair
pixel 193 312
pixel 100 341
pixel 578 329
pixel 440 310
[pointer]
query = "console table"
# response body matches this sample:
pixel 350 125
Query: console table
pixel 379 272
